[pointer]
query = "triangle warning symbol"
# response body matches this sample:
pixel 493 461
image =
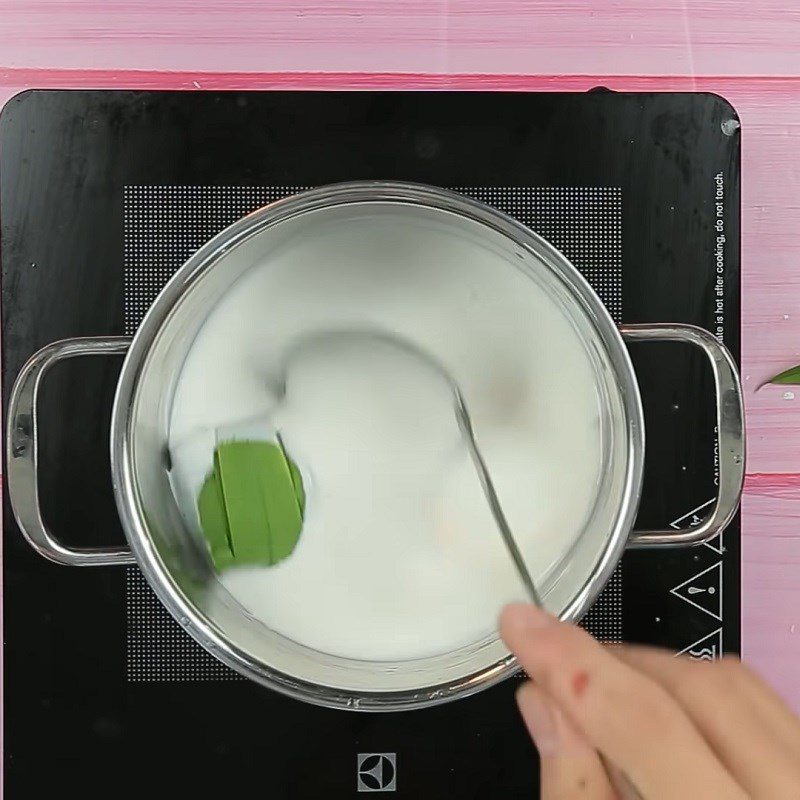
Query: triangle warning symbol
pixel 703 591
pixel 691 519
pixel 708 648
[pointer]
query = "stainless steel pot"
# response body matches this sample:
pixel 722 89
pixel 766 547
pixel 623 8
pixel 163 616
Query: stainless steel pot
pixel 167 554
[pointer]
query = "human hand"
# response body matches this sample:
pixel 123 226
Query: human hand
pixel 620 722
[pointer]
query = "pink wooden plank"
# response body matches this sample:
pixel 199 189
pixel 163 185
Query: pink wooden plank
pixel 704 37
pixel 771 586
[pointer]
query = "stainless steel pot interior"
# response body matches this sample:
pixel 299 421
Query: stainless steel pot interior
pixel 155 529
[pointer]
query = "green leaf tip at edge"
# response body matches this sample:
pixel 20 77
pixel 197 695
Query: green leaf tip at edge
pixel 251 505
pixel 789 377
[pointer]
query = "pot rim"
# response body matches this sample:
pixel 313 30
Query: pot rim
pixel 131 516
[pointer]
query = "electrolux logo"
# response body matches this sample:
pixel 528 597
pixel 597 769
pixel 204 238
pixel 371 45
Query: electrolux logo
pixel 377 772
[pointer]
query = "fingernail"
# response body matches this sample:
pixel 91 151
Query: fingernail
pixel 540 720
pixel 525 617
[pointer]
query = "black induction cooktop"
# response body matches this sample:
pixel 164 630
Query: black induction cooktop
pixel 103 194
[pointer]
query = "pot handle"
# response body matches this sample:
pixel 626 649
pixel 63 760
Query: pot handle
pixel 22 455
pixel 730 433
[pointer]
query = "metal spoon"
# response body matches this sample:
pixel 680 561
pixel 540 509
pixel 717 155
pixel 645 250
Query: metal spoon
pixel 619 780
pixel 464 424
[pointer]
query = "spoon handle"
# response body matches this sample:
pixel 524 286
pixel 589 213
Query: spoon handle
pixel 491 496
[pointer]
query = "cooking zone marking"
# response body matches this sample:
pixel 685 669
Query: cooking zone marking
pixel 703 591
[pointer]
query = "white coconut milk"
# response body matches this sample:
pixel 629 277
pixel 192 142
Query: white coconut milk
pixel 399 557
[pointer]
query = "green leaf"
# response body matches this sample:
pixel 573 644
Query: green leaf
pixel 297 479
pixel 789 376
pixel 214 521
pixel 251 505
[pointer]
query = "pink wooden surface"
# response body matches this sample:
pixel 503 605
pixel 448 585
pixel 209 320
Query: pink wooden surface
pixel 548 37
pixel 747 51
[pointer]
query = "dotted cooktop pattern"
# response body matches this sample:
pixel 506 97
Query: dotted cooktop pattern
pixel 164 225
